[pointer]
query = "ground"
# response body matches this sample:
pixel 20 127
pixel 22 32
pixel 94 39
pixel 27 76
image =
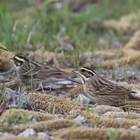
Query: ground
pixel 103 35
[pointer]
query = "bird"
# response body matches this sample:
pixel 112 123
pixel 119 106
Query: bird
pixel 102 91
pixel 34 73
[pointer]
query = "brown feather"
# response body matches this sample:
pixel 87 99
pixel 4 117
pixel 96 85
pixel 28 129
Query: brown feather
pixel 103 91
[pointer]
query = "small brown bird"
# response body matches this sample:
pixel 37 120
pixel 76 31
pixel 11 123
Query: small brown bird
pixel 103 91
pixel 34 73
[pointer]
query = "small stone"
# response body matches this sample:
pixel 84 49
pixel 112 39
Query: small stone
pixel 28 132
pixel 82 99
pixel 133 128
pixel 43 135
pixel 79 118
pixel 34 120
pixel 1 78
pixel 5 134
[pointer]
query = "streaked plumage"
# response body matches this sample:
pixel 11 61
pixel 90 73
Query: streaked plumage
pixel 103 91
pixel 33 73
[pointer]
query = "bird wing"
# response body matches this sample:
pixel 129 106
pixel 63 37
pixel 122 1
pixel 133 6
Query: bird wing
pixel 104 87
pixel 30 70
pixel 47 73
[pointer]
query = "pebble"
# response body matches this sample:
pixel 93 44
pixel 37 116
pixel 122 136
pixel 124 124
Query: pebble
pixel 5 134
pixel 82 99
pixel 133 128
pixel 79 118
pixel 28 132
pixel 43 135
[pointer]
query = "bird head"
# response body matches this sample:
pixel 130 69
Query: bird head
pixel 84 73
pixel 19 59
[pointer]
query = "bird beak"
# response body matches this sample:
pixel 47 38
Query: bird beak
pixel 82 77
pixel 76 71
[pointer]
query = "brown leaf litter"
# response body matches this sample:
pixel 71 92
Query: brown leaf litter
pixel 97 133
pixel 45 102
pixel 44 121
pixel 101 109
pixel 14 112
pixel 130 53
pixel 20 138
pixel 45 125
pixel 59 105
pixel 126 23
pixel 43 55
pixel 109 122
pixel 48 122
pixel 122 115
pixel 52 103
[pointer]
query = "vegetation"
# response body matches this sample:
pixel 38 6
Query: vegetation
pixel 26 25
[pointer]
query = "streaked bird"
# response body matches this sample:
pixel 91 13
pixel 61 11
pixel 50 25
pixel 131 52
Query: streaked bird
pixel 103 91
pixel 34 73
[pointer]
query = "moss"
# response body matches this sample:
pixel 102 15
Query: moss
pixel 52 103
pixel 45 125
pixel 109 122
pixel 20 138
pixel 96 133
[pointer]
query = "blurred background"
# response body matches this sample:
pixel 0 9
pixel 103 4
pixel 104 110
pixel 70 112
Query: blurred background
pixel 29 25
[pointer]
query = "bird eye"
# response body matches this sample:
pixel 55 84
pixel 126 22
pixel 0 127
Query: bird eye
pixel 82 70
pixel 18 64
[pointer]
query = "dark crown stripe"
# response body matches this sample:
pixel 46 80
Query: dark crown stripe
pixel 88 70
